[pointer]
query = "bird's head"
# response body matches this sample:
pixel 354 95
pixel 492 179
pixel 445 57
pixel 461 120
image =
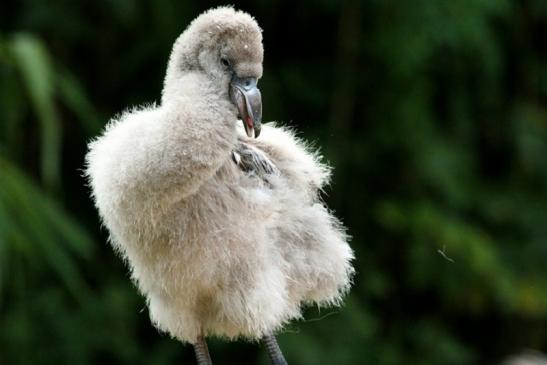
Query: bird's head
pixel 225 45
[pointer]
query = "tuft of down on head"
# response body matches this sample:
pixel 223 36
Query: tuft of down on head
pixel 217 44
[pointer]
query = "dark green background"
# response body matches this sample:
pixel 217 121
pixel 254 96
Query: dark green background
pixel 433 113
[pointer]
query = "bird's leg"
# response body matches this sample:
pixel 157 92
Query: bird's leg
pixel 202 352
pixel 273 350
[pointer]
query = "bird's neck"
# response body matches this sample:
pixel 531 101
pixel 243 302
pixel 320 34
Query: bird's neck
pixel 208 107
pixel 195 86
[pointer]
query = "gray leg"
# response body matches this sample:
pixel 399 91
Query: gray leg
pixel 202 352
pixel 273 350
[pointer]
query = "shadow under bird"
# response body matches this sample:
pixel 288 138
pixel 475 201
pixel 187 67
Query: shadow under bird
pixel 225 233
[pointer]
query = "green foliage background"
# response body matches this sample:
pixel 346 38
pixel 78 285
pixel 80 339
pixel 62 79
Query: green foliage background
pixel 433 112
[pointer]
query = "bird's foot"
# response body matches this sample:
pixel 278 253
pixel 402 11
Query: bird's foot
pixel 202 352
pixel 276 356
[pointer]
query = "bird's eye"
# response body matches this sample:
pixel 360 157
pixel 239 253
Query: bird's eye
pixel 225 62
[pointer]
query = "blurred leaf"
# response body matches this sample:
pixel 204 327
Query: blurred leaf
pixel 37 72
pixel 44 228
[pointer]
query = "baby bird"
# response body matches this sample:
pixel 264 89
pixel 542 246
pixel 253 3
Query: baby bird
pixel 225 233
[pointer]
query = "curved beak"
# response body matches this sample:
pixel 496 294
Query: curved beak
pixel 246 96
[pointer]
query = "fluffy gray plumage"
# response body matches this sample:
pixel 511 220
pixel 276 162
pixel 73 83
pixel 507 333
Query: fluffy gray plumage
pixel 225 235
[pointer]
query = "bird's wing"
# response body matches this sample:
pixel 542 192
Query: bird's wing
pixel 252 160
pixel 298 162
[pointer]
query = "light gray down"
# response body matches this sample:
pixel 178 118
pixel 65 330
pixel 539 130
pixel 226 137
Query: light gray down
pixel 217 248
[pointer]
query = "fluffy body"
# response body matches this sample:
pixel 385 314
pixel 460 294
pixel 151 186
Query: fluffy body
pixel 216 249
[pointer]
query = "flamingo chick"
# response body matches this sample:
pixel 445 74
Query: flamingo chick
pixel 225 234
